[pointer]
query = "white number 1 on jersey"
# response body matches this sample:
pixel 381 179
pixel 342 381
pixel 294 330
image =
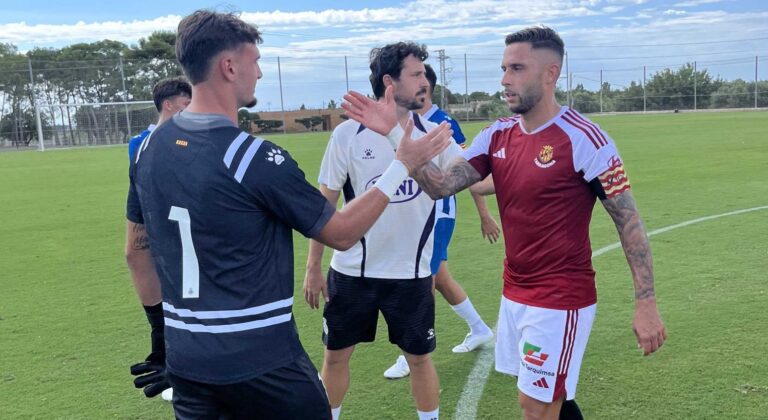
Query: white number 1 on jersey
pixel 191 270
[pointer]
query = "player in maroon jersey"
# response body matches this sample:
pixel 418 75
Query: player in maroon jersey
pixel 549 164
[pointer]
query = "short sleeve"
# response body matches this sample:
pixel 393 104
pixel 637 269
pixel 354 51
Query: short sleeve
pixel 477 154
pixel 133 206
pixel 601 166
pixel 458 135
pixel 334 167
pixel 280 186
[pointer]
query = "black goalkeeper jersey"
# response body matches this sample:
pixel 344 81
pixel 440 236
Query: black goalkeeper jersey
pixel 219 206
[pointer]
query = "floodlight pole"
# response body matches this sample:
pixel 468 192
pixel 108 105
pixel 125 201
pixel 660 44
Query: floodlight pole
pixel 125 98
pixel 601 91
pixel 755 82
pixel 34 105
pixel 644 96
pixel 346 72
pixel 466 87
pixel 694 86
pixel 280 79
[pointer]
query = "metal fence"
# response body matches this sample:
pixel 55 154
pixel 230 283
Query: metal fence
pixel 104 101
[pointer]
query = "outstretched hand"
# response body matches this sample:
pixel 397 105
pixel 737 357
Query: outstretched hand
pixel 379 116
pixel 415 153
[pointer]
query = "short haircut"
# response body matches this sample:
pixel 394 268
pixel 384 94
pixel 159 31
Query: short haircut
pixel 204 34
pixel 168 88
pixel 431 77
pixel 539 37
pixel 389 60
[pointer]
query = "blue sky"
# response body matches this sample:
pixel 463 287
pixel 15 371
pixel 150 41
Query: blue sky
pixel 313 37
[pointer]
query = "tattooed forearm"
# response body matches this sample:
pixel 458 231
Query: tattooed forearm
pixel 634 240
pixel 140 237
pixel 438 184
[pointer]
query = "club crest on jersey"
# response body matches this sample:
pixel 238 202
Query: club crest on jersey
pixel 407 191
pixel 275 155
pixel 544 159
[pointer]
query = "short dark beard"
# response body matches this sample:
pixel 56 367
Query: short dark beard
pixel 410 104
pixel 528 100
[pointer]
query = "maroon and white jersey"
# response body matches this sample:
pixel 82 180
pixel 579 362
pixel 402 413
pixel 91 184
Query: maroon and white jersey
pixel 546 183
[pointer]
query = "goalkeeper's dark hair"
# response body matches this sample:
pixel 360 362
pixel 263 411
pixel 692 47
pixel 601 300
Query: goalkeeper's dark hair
pixel 539 37
pixel 204 34
pixel 168 89
pixel 389 60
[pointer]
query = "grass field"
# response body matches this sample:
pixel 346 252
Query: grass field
pixel 70 323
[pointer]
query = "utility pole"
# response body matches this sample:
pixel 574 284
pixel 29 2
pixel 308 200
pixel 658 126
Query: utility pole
pixel 441 58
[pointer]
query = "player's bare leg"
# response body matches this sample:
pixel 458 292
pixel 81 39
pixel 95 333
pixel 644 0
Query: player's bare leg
pixel 534 409
pixel 425 386
pixel 479 332
pixel 335 374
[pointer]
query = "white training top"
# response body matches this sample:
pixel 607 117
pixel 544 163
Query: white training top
pixel 399 245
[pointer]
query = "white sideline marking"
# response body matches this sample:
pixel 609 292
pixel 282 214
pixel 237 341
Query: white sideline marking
pixel 466 408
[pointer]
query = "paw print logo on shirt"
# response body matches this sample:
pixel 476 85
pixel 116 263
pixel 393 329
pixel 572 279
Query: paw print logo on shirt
pixel 275 155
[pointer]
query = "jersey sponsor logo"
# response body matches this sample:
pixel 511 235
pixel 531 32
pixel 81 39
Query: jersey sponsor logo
pixel 544 159
pixel 182 143
pixel 276 156
pixel 533 354
pixel 501 153
pixel 541 383
pixel 614 180
pixel 407 191
pixel 368 154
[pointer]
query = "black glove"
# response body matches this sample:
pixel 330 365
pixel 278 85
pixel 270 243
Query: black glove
pixel 150 374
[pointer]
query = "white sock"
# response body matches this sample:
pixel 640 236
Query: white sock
pixel 467 312
pixel 336 412
pixel 429 415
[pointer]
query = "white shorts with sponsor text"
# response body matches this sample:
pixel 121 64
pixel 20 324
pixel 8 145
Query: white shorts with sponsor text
pixel 542 347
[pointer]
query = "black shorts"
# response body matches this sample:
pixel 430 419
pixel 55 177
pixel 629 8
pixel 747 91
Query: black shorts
pixel 351 315
pixel 293 391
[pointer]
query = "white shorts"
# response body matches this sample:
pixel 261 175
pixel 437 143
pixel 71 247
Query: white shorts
pixel 543 348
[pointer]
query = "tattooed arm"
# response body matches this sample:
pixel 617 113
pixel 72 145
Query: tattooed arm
pixel 438 183
pixel 140 264
pixel 648 326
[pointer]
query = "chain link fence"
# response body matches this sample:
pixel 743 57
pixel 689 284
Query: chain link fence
pixel 85 102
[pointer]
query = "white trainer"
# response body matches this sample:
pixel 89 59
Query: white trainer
pixel 399 370
pixel 167 395
pixel 473 341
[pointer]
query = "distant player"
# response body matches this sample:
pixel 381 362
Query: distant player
pixel 220 206
pixel 170 96
pixel 479 332
pixel 388 270
pixel 549 164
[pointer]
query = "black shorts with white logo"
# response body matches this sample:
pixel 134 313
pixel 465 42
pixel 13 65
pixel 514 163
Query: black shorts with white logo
pixel 351 315
pixel 294 391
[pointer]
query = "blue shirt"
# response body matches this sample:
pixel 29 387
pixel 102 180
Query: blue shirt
pixel 447 206
pixel 220 206
pixel 135 141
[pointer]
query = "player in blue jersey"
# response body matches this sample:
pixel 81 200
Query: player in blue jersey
pixel 170 96
pixel 219 207
pixel 479 332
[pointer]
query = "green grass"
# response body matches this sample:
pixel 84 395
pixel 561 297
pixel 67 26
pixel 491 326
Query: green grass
pixel 70 323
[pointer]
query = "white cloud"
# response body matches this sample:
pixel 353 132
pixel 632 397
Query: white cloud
pixel 673 12
pixel 694 3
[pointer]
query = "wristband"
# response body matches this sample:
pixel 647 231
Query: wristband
pixel 392 178
pixel 395 135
